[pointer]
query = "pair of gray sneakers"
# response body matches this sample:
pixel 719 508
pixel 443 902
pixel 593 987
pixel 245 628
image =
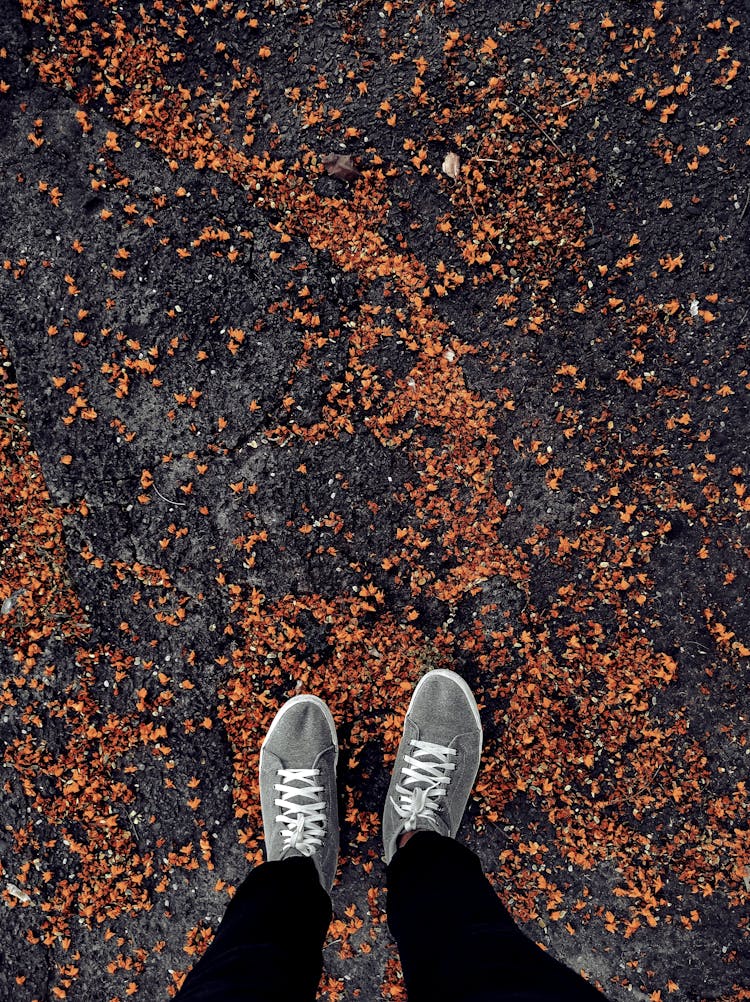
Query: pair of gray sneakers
pixel 436 765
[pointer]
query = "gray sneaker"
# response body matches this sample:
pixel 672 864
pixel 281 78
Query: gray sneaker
pixel 437 760
pixel 298 785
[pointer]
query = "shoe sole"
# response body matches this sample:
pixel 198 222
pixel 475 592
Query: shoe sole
pixel 294 701
pixel 447 673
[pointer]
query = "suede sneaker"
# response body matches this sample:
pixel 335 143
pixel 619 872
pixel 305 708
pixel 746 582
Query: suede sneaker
pixel 437 760
pixel 298 785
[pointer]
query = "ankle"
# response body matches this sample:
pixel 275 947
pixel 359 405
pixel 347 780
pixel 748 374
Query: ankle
pixel 403 839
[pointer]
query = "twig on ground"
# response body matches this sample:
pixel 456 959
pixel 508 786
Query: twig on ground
pixel 182 504
pixel 540 127
pixel 747 202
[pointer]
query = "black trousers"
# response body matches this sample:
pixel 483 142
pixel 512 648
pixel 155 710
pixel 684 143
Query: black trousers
pixel 456 940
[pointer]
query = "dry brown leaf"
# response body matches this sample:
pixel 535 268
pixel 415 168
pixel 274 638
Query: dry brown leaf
pixel 340 166
pixel 452 165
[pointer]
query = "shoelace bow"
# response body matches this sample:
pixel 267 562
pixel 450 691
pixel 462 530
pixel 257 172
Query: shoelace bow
pixel 302 811
pixel 422 801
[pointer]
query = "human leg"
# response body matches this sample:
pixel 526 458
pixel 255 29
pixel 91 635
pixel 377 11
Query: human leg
pixel 457 941
pixel 268 947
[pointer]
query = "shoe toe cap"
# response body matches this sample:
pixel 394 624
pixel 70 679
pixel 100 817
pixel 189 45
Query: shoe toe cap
pixel 443 709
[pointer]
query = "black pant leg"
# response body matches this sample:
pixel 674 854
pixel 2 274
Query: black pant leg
pixel 457 942
pixel 269 945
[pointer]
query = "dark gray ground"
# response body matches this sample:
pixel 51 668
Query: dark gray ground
pixel 98 792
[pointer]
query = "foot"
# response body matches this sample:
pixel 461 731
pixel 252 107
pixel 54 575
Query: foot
pixel 298 785
pixel 437 760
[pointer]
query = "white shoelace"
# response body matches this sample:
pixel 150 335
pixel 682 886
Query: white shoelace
pixel 304 823
pixel 420 802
